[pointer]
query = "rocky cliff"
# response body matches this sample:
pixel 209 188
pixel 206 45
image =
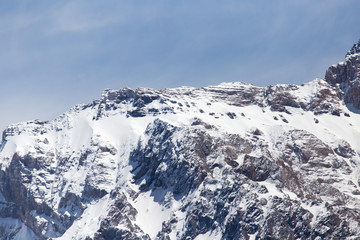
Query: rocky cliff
pixel 232 161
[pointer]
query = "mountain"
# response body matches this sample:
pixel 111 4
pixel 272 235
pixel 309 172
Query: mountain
pixel 232 161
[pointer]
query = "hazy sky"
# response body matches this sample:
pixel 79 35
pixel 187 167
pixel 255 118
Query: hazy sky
pixel 55 54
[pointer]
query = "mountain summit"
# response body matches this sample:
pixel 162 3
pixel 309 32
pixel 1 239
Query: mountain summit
pixel 345 76
pixel 354 50
pixel 232 161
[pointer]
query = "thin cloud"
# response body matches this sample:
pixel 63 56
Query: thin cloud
pixel 74 49
pixel 73 17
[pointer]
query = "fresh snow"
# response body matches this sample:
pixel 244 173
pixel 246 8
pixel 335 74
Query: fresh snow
pixel 74 132
pixel 151 214
pixel 213 235
pixel 19 230
pixel 89 222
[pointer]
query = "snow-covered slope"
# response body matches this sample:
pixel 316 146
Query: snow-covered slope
pixel 232 161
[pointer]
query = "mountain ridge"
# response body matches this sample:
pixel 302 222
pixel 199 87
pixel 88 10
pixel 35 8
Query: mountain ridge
pixel 231 161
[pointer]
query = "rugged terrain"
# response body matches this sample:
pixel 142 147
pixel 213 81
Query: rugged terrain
pixel 232 161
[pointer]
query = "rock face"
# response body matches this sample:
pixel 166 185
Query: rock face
pixel 232 161
pixel 346 77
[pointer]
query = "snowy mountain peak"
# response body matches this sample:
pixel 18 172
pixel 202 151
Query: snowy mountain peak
pixel 232 161
pixel 355 50
pixel 345 76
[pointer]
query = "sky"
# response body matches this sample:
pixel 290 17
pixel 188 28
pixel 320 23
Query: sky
pixel 56 54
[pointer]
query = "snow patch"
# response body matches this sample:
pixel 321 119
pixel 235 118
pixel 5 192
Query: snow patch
pixel 90 220
pixel 151 214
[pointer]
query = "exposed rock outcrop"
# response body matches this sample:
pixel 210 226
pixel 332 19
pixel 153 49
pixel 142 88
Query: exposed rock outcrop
pixel 346 77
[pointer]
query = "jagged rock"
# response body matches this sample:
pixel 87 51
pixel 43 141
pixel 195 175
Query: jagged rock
pixel 346 77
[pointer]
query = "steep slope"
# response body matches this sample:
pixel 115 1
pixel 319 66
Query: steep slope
pixel 345 76
pixel 232 161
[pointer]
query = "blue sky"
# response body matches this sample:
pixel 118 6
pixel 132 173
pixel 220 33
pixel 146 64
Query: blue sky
pixel 55 54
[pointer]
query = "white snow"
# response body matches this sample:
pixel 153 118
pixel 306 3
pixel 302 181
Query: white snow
pixel 213 235
pixel 74 132
pixel 20 144
pixel 21 231
pixel 90 220
pixel 316 210
pixel 151 214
